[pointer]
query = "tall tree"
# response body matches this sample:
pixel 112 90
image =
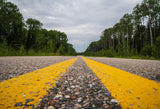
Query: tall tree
pixel 134 34
pixel 33 27
pixel 11 24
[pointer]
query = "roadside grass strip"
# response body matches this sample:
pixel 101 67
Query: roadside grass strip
pixel 28 89
pixel 133 92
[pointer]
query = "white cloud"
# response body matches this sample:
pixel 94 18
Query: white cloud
pixel 51 18
pixel 79 29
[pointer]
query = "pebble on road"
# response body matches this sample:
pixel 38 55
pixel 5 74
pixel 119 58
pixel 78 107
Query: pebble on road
pixel 79 88
pixel 11 67
pixel 149 69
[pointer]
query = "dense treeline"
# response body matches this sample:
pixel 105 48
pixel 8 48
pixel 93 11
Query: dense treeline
pixel 19 37
pixel 136 34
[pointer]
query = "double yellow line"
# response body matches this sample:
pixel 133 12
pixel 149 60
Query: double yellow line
pixel 131 90
pixel 29 88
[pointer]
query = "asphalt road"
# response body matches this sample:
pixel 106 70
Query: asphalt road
pixel 36 77
pixel 18 65
pixel 14 66
pixel 149 69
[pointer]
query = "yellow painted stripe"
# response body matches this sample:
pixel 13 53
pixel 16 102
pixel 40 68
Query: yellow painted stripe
pixel 131 90
pixel 32 85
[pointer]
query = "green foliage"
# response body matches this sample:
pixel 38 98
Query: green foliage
pixel 61 50
pixel 11 24
pixel 156 48
pixel 16 38
pixel 110 52
pixel 107 53
pixel 33 24
pixel 3 48
pixel 134 52
pixel 136 34
pixel 33 27
pixel 147 51
pixel 22 51
pixel 71 50
pixel 31 52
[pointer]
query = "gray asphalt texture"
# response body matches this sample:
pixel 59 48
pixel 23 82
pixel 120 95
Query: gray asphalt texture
pixel 14 66
pixel 78 88
pixel 149 69
pixel 17 65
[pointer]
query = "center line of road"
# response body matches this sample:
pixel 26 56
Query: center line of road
pixel 27 89
pixel 131 90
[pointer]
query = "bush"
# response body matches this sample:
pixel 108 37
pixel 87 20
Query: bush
pixel 146 50
pixel 110 52
pixel 156 48
pixel 134 52
pixel 31 52
pixel 22 51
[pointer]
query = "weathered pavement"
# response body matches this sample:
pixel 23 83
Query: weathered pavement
pixel 149 69
pixel 131 90
pixel 14 66
pixel 79 87
pixel 26 90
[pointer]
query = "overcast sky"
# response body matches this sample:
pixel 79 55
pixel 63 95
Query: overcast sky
pixel 82 20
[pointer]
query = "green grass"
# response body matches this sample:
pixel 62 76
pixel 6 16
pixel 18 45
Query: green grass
pixel 137 57
pixel 130 57
pixel 6 51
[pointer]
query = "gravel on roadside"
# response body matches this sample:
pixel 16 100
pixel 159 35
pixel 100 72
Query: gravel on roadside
pixel 78 88
pixel 146 68
pixel 14 66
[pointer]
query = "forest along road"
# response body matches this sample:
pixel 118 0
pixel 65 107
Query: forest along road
pixel 75 82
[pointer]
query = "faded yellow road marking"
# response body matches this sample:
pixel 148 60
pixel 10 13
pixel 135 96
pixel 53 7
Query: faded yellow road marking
pixel 31 86
pixel 131 90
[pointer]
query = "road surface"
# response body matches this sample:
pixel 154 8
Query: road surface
pixel 78 82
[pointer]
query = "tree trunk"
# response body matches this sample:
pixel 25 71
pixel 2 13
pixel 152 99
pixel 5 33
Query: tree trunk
pixel 123 42
pixel 127 41
pixel 150 30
